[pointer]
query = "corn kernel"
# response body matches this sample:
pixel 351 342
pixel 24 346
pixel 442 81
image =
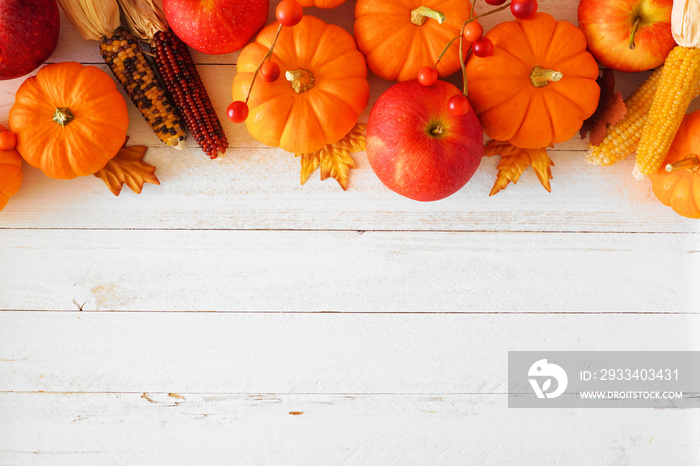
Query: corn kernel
pixel 677 86
pixel 129 65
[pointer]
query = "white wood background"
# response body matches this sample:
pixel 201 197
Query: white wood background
pixel 232 316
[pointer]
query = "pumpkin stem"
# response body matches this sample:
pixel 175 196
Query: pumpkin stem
pixel 540 77
pixel 690 163
pixel 301 80
pixel 421 14
pixel 63 116
pixel 635 27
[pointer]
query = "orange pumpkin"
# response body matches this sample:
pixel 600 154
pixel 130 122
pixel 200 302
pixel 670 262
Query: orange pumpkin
pixel 321 3
pixel 396 45
pixel 321 91
pixel 538 86
pixel 69 120
pixel 680 187
pixel 10 174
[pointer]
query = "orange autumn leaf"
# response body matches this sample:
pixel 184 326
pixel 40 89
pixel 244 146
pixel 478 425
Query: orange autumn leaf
pixel 309 164
pixel 611 109
pixel 335 159
pixel 128 167
pixel 515 160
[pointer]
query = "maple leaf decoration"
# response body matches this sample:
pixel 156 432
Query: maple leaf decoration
pixel 128 167
pixel 334 159
pixel 515 160
pixel 611 109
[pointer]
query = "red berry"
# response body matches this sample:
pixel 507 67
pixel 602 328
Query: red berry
pixel 523 9
pixel 458 105
pixel 8 141
pixel 473 31
pixel 289 13
pixel 270 71
pixel 427 76
pixel 483 47
pixel 495 2
pixel 237 112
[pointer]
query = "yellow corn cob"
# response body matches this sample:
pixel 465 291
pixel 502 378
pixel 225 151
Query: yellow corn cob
pixel 124 57
pixel 675 90
pixel 622 138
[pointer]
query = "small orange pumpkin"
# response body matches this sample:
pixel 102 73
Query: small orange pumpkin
pixel 538 86
pixel 679 188
pixel 321 91
pixel 397 45
pixel 10 174
pixel 69 120
pixel 321 3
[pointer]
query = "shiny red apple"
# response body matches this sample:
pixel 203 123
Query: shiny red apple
pixel 417 147
pixel 215 27
pixel 627 35
pixel 28 35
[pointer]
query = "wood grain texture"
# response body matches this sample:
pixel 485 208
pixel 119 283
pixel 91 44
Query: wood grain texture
pixel 290 353
pixel 185 429
pixel 259 188
pixel 264 322
pixel 347 271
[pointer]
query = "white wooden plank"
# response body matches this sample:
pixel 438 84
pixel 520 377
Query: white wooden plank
pixel 260 189
pixel 76 429
pixel 304 353
pixel 347 271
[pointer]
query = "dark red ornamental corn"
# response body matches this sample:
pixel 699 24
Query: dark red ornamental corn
pixel 182 80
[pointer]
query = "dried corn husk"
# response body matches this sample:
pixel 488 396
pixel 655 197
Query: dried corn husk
pixel 93 19
pixel 144 17
pixel 685 22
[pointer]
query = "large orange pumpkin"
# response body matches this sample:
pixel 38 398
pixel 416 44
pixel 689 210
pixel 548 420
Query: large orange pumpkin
pixel 69 120
pixel 321 3
pixel 538 86
pixel 10 174
pixel 680 188
pixel 321 91
pixel 396 46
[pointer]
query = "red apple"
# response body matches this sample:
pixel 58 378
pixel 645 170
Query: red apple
pixel 28 35
pixel 627 35
pixel 215 27
pixel 417 147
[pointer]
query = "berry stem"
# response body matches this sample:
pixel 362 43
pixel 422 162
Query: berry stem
pixel 472 18
pixel 490 12
pixel 265 58
pixel 462 58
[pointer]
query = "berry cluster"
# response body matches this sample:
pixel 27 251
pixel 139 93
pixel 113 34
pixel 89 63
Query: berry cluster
pixel 481 46
pixel 288 13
